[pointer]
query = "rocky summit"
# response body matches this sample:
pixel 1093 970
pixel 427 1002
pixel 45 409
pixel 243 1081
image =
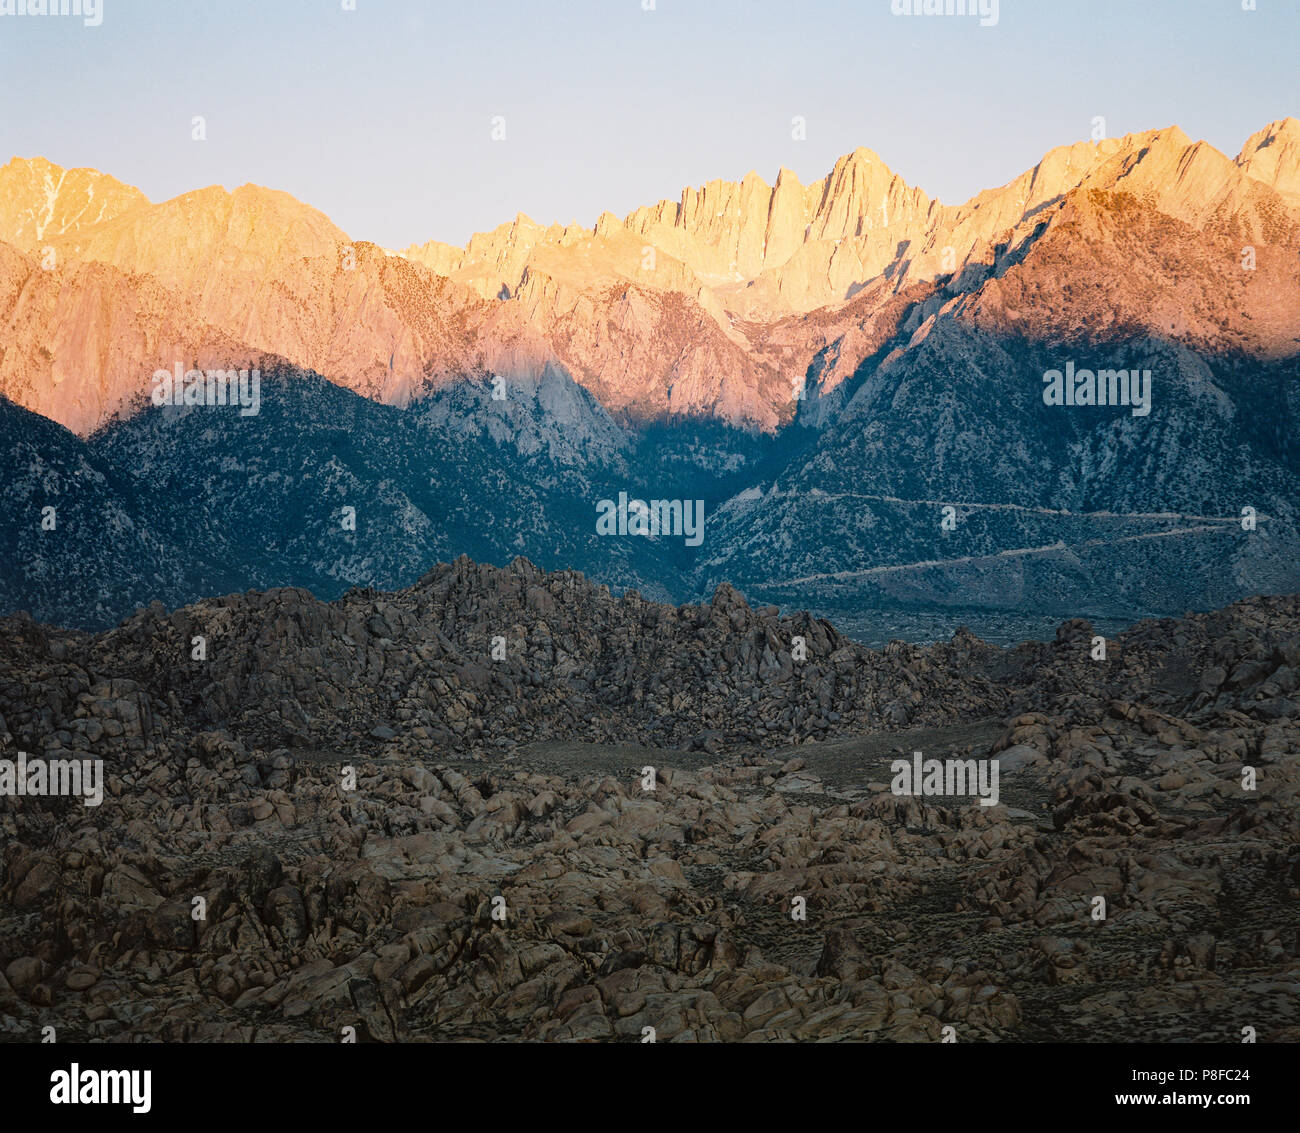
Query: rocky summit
pixel 505 804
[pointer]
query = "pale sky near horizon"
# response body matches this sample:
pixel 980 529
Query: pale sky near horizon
pixel 382 117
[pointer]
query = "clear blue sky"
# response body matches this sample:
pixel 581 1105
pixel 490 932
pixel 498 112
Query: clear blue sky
pixel 381 117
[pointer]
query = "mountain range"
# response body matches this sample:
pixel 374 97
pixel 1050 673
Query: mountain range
pixel 849 374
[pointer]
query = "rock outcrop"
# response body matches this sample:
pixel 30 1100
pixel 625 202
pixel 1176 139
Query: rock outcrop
pixel 644 821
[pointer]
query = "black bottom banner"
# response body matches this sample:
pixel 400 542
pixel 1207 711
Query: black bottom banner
pixel 85 1083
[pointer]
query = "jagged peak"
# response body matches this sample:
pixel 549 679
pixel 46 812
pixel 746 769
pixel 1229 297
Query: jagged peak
pixel 787 177
pixel 1272 156
pixel 861 154
pixel 1172 135
pixel 862 164
pixel 1282 130
pixel 607 224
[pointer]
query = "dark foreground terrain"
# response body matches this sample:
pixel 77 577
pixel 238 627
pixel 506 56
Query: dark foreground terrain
pixel 499 869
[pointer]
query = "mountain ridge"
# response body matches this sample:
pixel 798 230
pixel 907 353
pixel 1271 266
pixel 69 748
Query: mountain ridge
pixel 727 260
pixel 489 412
